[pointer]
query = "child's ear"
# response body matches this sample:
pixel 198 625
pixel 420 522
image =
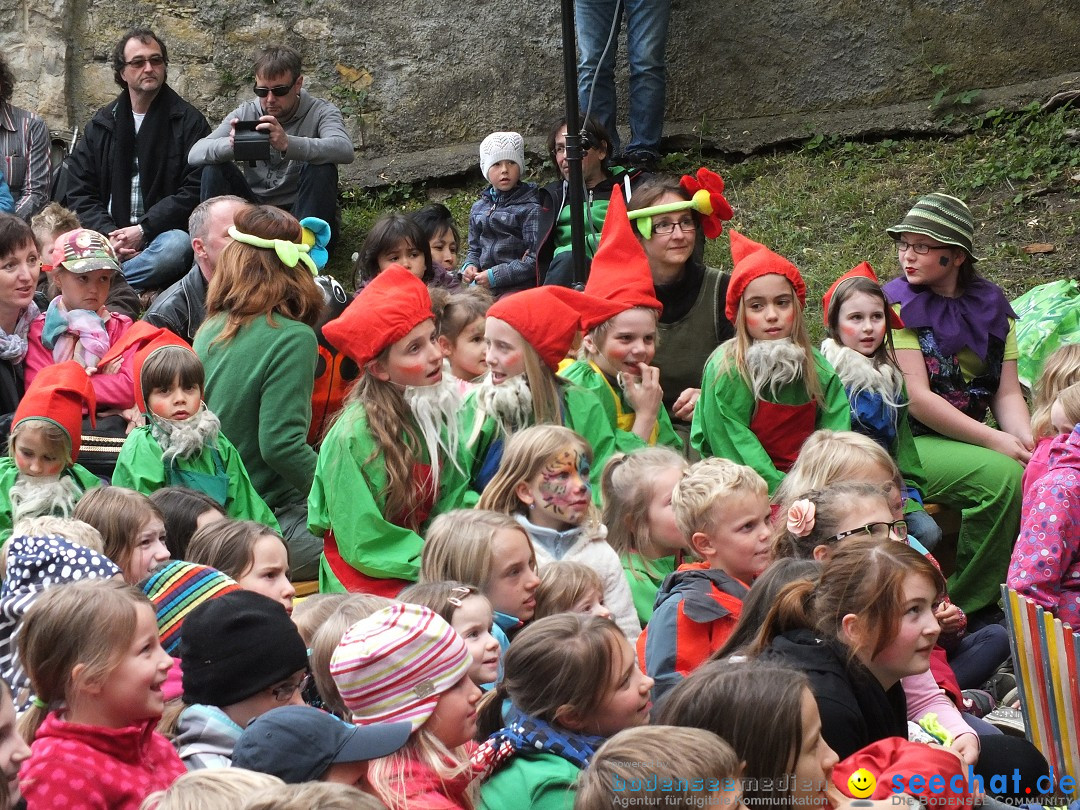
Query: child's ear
pixel 378 370
pixel 702 544
pixel 568 718
pixel 821 553
pixel 444 344
pixel 80 682
pixel 851 630
pixel 590 345
pixel 523 493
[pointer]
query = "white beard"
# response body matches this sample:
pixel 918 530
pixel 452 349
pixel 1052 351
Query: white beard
pixel 435 409
pixel 773 364
pixel 186 438
pixel 40 497
pixel 858 373
pixel 510 404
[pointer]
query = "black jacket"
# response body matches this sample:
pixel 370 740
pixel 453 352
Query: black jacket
pixel 90 172
pixel 855 709
pixel 182 307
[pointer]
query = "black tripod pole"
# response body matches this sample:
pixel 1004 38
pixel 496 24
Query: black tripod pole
pixel 574 152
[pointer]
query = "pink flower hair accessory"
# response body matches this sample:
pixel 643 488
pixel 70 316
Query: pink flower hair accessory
pixel 707 189
pixel 800 517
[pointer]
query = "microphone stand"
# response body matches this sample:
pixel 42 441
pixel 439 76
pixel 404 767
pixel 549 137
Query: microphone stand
pixel 574 151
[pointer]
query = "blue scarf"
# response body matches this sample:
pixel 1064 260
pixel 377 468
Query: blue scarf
pixel 524 733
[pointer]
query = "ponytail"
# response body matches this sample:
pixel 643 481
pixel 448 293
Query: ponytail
pixel 793 610
pixel 489 718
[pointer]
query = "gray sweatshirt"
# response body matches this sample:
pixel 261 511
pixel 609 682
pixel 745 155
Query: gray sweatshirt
pixel 316 135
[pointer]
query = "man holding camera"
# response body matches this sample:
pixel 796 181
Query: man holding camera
pixel 288 142
pixel 129 177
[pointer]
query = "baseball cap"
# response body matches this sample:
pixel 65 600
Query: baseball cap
pixel 299 743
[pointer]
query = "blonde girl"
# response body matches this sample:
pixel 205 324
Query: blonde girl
pixel 1062 369
pixel 310 612
pixel 39 476
pixel 98 697
pixel 492 551
pixel 570 587
pixel 571 681
pixel 859 322
pixel 469 612
pixel 352 608
pixel 461 317
pixel 616 359
pixel 131 526
pixel 765 391
pixel 254 555
pixel 527 335
pixel 636 490
pixel 212 789
pixel 543 481
pixel 388 464
pixel 405 663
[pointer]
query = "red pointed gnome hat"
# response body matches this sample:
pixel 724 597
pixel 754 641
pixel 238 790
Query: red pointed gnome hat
pixel 59 394
pixel 143 337
pixel 620 270
pixel 753 260
pixel 393 304
pixel 861 270
pixel 547 318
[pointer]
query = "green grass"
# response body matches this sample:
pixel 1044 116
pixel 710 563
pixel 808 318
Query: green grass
pixel 826 203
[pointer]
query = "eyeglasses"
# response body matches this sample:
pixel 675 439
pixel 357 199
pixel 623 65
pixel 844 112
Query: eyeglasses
pixel 139 62
pixel 287 690
pixel 686 225
pixel 279 91
pixel 878 531
pixel 920 248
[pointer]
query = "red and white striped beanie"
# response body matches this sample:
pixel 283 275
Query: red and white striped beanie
pixel 394 665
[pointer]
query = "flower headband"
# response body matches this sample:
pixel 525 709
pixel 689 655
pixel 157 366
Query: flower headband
pixel 289 252
pixel 707 190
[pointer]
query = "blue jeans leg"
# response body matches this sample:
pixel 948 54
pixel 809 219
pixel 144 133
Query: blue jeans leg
pixel 161 263
pixel 979 654
pixel 646 40
pixel 924 528
pixel 593 22
pixel 316 196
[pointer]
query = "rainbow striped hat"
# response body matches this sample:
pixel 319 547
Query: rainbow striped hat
pixel 176 589
pixel 394 665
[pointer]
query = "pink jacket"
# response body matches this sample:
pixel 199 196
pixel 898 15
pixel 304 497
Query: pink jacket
pixel 113 391
pixel 1045 564
pixel 73 765
pixel 924 695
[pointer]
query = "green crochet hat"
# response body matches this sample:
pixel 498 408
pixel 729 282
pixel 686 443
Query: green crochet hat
pixel 941 217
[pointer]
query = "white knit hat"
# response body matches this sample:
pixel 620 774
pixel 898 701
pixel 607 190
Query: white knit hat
pixel 502 146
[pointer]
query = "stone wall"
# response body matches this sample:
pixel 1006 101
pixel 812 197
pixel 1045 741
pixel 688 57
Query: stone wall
pixel 416 75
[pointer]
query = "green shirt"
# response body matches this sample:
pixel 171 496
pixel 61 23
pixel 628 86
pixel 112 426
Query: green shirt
pixel 9 474
pixel 536 781
pixel 259 384
pixel 140 468
pixel 645 580
pixel 613 401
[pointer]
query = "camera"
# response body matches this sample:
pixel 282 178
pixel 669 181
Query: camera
pixel 249 143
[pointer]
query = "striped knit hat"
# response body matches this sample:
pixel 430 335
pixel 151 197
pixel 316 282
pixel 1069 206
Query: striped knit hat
pixel 394 665
pixel 176 589
pixel 941 217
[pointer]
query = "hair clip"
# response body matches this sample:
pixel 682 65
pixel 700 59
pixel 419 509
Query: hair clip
pixel 800 517
pixel 289 252
pixel 459 595
pixel 38 702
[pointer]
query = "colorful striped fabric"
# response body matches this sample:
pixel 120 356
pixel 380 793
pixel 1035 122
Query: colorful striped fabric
pixel 394 665
pixel 176 589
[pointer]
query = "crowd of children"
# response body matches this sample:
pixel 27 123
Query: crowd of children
pixel 520 554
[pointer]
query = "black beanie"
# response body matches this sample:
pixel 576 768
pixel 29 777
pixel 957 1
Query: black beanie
pixel 235 646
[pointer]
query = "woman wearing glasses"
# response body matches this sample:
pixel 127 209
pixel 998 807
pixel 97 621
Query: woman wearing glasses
pixel 958 355
pixel 692 323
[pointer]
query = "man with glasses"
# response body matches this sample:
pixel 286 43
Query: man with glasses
pixel 129 177
pixel 307 142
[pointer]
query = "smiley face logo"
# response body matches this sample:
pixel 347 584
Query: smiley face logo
pixel 861 783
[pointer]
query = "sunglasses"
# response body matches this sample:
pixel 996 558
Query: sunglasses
pixel 278 91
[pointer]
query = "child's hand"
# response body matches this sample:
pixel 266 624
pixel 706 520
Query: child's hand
pixel 482 280
pixel 684 405
pixel 644 392
pixel 948 617
pixel 966 746
pixel 468 273
pixel 111 367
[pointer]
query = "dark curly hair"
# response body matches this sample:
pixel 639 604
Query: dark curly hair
pixel 144 35
pixel 7 80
